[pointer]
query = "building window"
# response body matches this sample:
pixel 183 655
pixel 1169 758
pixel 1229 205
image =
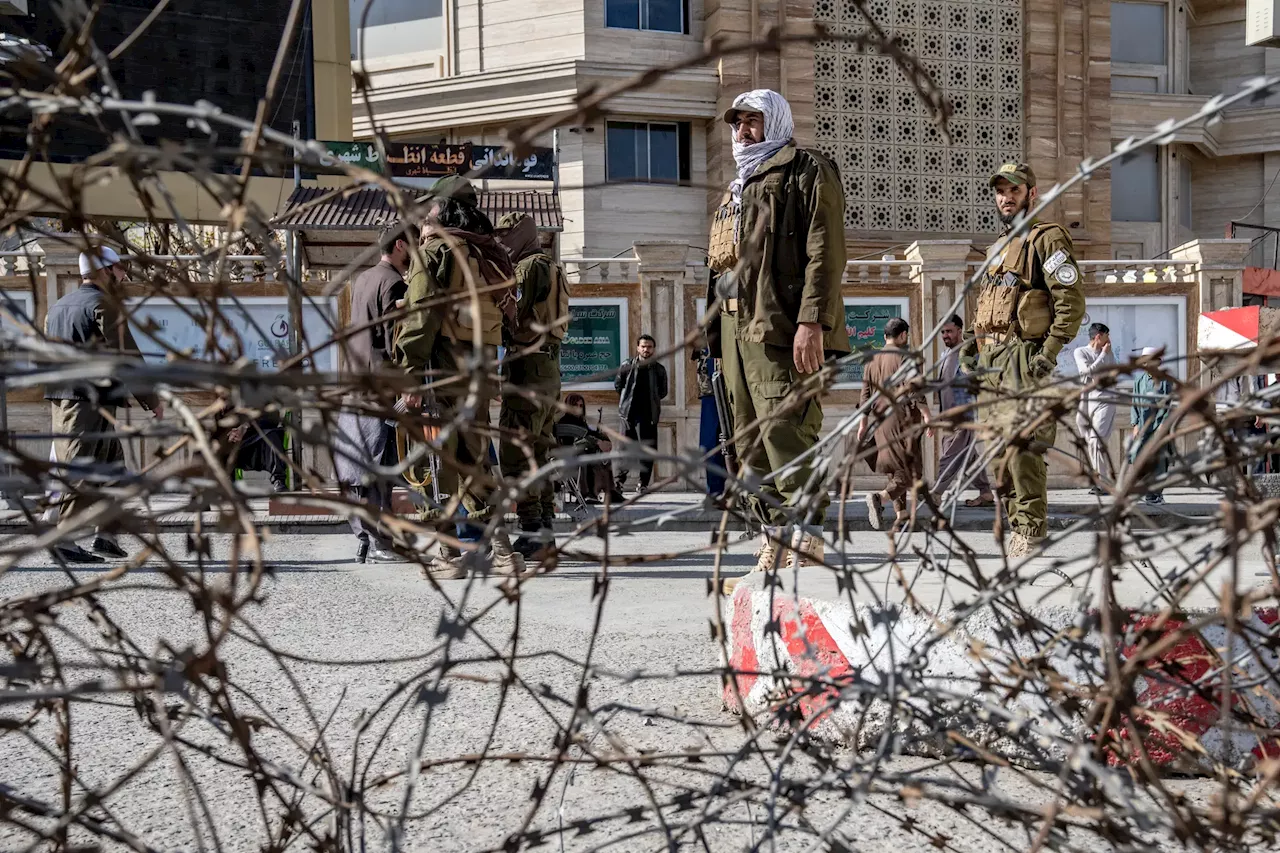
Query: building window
pixel 647 152
pixel 1139 47
pixel 1135 187
pixel 666 16
pixel 396 26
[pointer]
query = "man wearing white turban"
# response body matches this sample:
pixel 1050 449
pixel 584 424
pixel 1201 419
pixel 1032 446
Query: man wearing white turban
pixel 777 254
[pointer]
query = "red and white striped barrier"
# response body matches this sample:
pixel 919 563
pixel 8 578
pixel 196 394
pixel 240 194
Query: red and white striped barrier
pixel 825 665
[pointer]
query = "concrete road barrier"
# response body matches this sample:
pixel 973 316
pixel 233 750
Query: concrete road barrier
pixel 1019 683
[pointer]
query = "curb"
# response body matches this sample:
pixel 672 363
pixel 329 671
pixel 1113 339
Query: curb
pixel 823 665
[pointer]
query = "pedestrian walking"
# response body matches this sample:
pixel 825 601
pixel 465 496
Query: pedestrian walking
pixel 1152 400
pixel 777 254
pixel 1029 308
pixel 899 419
pixel 709 422
pixel 641 384
pixel 1097 413
pixel 366 441
pixel 444 317
pixel 531 389
pixel 92 318
pixel 961 449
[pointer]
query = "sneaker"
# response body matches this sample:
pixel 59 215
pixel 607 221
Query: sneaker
pixel 1153 499
pixel 108 548
pixel 1097 491
pixel 1023 545
pixel 811 551
pixel 279 485
pixel 875 511
pixel 506 560
pixel 445 565
pixel 384 555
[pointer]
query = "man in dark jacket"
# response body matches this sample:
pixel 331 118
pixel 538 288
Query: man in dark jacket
pixel 92 318
pixel 641 384
pixel 363 440
pixel 777 253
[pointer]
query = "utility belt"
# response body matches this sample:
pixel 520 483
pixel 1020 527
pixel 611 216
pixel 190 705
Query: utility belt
pixel 551 348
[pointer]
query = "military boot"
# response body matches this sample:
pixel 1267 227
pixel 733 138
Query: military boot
pixel 506 560
pixel 807 549
pixel 769 554
pixel 446 564
pixel 1022 545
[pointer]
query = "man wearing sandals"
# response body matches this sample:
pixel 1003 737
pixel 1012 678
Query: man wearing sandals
pixel 1029 308
pixel 778 256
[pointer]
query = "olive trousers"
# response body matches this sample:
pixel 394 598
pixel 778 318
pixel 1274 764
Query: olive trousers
pixel 772 427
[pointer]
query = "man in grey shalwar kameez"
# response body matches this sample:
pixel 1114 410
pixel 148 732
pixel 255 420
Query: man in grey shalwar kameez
pixel 366 441
pixel 1097 413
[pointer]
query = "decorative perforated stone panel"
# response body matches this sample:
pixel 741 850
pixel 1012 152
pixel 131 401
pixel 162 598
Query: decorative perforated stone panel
pixel 899 174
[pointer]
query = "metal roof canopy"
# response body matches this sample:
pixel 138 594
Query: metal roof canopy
pixel 334 232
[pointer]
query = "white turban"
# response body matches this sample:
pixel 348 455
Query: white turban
pixel 101 258
pixel 778 129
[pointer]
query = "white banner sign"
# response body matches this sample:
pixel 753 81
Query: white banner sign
pixel 1135 322
pixel 259 329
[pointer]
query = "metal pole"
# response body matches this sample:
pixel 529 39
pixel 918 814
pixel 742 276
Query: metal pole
pixel 293 281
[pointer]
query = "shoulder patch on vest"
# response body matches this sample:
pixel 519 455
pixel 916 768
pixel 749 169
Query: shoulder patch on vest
pixel 1068 274
pixel 1056 260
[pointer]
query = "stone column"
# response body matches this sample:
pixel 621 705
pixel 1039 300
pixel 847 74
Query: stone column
pixel 1219 271
pixel 662 272
pixel 939 271
pixel 61 265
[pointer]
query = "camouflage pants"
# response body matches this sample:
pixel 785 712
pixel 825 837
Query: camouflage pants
pixel 527 438
pixel 1007 404
pixel 759 379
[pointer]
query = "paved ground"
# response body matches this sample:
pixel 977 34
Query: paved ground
pixel 362 636
pixel 678 511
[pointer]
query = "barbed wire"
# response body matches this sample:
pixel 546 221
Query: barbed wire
pixel 939 693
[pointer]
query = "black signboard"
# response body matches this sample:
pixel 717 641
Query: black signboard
pixel 409 160
pixel 491 161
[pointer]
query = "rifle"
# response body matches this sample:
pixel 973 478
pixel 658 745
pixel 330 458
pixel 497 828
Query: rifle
pixel 725 415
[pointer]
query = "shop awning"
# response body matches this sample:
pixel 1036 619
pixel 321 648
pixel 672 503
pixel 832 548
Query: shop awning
pixel 366 209
pixel 335 231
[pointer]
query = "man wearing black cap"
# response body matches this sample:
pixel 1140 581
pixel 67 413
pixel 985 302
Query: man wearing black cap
pixel 461 284
pixel 1029 308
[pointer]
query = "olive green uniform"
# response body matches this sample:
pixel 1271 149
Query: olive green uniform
pixel 1030 307
pixel 782 254
pixel 532 384
pixel 441 339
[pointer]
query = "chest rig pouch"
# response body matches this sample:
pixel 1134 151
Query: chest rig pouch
pixel 1009 303
pixel 722 248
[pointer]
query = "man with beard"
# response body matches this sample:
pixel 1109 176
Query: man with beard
pixel 1029 308
pixel 778 255
pixel 532 376
pixel 460 285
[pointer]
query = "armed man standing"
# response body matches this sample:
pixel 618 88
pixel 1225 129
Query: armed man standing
pixel 447 311
pixel 778 254
pixel 532 375
pixel 1029 308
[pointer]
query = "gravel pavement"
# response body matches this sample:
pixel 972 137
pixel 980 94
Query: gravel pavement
pixel 357 642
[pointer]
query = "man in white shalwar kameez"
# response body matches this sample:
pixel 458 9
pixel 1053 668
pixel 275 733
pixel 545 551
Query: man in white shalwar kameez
pixel 1097 413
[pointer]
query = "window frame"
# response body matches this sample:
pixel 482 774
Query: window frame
pixel 641 28
pixel 1162 73
pixel 684 152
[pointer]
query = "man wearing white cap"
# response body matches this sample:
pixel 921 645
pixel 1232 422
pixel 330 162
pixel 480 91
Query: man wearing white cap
pixel 83 412
pixel 777 252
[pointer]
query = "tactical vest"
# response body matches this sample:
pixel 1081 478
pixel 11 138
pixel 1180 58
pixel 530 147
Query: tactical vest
pixel 459 322
pixel 551 315
pixel 722 248
pixel 1012 301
